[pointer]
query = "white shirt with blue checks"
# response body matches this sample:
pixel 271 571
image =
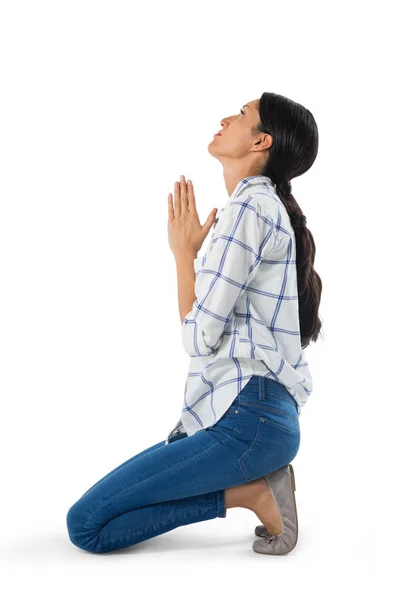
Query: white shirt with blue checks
pixel 245 318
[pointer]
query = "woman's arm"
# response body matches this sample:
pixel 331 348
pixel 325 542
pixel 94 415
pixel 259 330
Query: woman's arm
pixel 186 280
pixel 243 239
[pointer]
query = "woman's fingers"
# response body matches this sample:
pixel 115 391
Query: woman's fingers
pixel 183 193
pixel 184 199
pixel 170 208
pixel 191 198
pixel 177 202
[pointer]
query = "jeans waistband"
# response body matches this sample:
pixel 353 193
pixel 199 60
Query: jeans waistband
pixel 264 387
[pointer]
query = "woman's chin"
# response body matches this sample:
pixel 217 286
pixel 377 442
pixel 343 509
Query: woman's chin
pixel 210 148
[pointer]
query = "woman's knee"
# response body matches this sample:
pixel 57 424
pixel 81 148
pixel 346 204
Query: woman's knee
pixel 81 531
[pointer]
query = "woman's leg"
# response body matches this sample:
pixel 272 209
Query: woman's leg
pixel 102 480
pixel 172 485
pixel 183 482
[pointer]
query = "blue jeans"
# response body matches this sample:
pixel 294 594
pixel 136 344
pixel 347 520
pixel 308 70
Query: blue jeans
pixel 183 482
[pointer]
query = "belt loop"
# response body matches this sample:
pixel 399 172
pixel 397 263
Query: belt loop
pixel 261 396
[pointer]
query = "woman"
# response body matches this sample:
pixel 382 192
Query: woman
pixel 248 307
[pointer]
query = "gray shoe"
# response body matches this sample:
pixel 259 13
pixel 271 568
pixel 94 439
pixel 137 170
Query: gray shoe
pixel 282 486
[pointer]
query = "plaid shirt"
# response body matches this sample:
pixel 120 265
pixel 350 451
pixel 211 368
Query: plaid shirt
pixel 245 318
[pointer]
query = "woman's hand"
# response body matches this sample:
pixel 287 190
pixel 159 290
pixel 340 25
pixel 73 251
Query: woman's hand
pixel 185 232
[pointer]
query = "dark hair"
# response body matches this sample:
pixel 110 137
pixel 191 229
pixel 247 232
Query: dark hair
pixel 293 151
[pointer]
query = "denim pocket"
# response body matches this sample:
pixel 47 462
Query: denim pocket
pixel 275 444
pixel 276 417
pixel 281 417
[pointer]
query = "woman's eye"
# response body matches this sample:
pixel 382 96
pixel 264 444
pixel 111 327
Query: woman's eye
pixel 241 111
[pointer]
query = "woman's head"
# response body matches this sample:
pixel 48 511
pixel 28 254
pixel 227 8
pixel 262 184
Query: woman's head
pixel 242 145
pixel 278 138
pixel 271 135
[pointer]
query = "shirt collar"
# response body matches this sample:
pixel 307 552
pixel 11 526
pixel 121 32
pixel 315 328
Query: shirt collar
pixel 248 182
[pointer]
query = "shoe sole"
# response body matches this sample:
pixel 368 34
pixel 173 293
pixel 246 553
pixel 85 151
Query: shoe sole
pixel 260 530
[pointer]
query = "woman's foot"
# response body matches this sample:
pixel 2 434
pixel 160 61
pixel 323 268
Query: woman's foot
pixel 256 496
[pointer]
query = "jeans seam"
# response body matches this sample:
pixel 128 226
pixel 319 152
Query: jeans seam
pixel 140 482
pixel 153 528
pixel 281 427
pixel 240 459
pixel 272 408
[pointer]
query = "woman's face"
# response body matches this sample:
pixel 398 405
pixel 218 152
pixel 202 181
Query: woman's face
pixel 236 138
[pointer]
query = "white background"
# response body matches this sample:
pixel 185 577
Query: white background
pixel 103 106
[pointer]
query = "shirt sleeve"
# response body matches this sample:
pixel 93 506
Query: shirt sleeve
pixel 243 236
